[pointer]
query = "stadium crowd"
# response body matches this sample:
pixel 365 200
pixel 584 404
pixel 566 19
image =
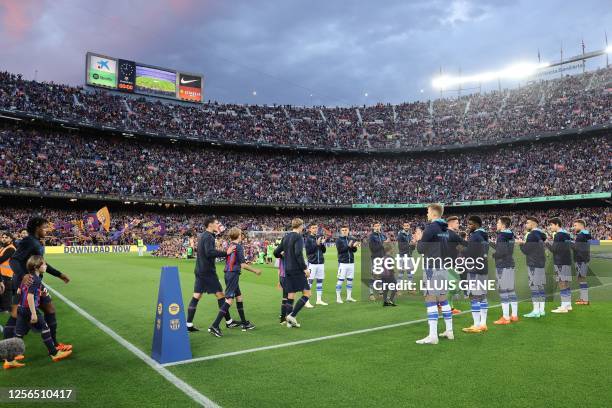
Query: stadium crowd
pixel 75 163
pixel 128 227
pixel 575 101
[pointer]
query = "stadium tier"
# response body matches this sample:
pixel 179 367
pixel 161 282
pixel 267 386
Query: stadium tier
pixel 540 108
pixel 74 164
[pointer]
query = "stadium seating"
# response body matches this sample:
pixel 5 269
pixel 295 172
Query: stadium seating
pixel 570 102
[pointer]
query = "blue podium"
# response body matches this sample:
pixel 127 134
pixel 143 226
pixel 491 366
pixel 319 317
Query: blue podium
pixel 170 336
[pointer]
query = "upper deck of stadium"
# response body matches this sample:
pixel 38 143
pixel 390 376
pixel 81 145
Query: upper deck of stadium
pixel 554 107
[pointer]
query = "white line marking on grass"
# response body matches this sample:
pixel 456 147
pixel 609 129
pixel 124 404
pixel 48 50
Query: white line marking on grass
pixel 330 337
pixel 161 370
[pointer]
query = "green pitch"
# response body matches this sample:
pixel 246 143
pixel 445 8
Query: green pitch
pixel 559 360
pixel 156 84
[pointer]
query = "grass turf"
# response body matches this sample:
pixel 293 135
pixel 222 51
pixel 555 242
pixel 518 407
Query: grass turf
pixel 526 364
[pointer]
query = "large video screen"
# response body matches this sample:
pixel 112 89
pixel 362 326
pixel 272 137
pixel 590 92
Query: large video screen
pixel 153 81
pixel 101 71
pixel 134 77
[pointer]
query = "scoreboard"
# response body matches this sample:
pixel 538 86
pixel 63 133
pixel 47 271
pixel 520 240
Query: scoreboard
pixel 134 77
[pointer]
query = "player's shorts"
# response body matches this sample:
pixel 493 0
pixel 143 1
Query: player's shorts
pixel 232 286
pixel 563 273
pixel 317 271
pixel 346 271
pixel 477 284
pixel 582 269
pixel 296 283
pixel 23 325
pixel 505 278
pixel 435 281
pixel 207 284
pixel 537 276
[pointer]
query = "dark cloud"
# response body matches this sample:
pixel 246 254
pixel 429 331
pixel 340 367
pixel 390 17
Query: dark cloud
pixel 298 52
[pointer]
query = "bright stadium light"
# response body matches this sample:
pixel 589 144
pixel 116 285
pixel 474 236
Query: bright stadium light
pixel 516 71
pixel 608 50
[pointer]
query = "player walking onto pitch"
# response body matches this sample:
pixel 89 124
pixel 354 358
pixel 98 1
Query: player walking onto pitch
pixel 28 315
pixel 561 248
pixel 533 248
pixel 206 279
pixel 582 256
pixel 315 250
pixel 433 245
pixel 28 246
pixel 234 263
pixel 504 266
pixel 346 247
pixel 477 248
pixel 296 273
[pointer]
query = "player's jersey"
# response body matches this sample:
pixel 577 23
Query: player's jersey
pixel 582 248
pixel 35 288
pixel 376 241
pixel 561 248
pixel 346 254
pixel 234 260
pixel 403 242
pixel 478 247
pixel 281 268
pixel 434 243
pixel 504 249
pixel 533 248
pixel 314 252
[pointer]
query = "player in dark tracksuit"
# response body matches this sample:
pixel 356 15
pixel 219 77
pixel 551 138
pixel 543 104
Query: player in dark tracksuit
pixel 29 246
pixel 505 271
pixel 477 249
pixel 561 248
pixel 296 271
pixel 405 248
pixel 376 244
pixel 582 256
pixel 234 263
pixel 432 243
pixel 206 279
pixel 315 252
pixel 533 248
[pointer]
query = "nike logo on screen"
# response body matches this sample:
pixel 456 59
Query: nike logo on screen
pixel 187 82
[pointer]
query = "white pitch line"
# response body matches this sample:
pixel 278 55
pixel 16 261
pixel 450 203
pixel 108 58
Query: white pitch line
pixel 161 370
pixel 305 341
pixel 330 337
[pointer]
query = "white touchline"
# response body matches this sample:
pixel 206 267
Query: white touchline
pixel 174 380
pixel 330 337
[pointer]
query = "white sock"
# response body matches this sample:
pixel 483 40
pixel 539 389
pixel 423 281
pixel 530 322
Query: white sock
pixel 514 308
pixel 483 316
pixel 349 292
pixel 542 304
pixel 189 324
pixel 319 296
pixel 506 310
pixel 536 307
pixel 476 316
pixel 448 316
pixel 433 328
pixel 433 323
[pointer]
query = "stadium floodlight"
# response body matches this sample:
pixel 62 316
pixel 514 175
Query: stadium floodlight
pixel 608 50
pixel 515 71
